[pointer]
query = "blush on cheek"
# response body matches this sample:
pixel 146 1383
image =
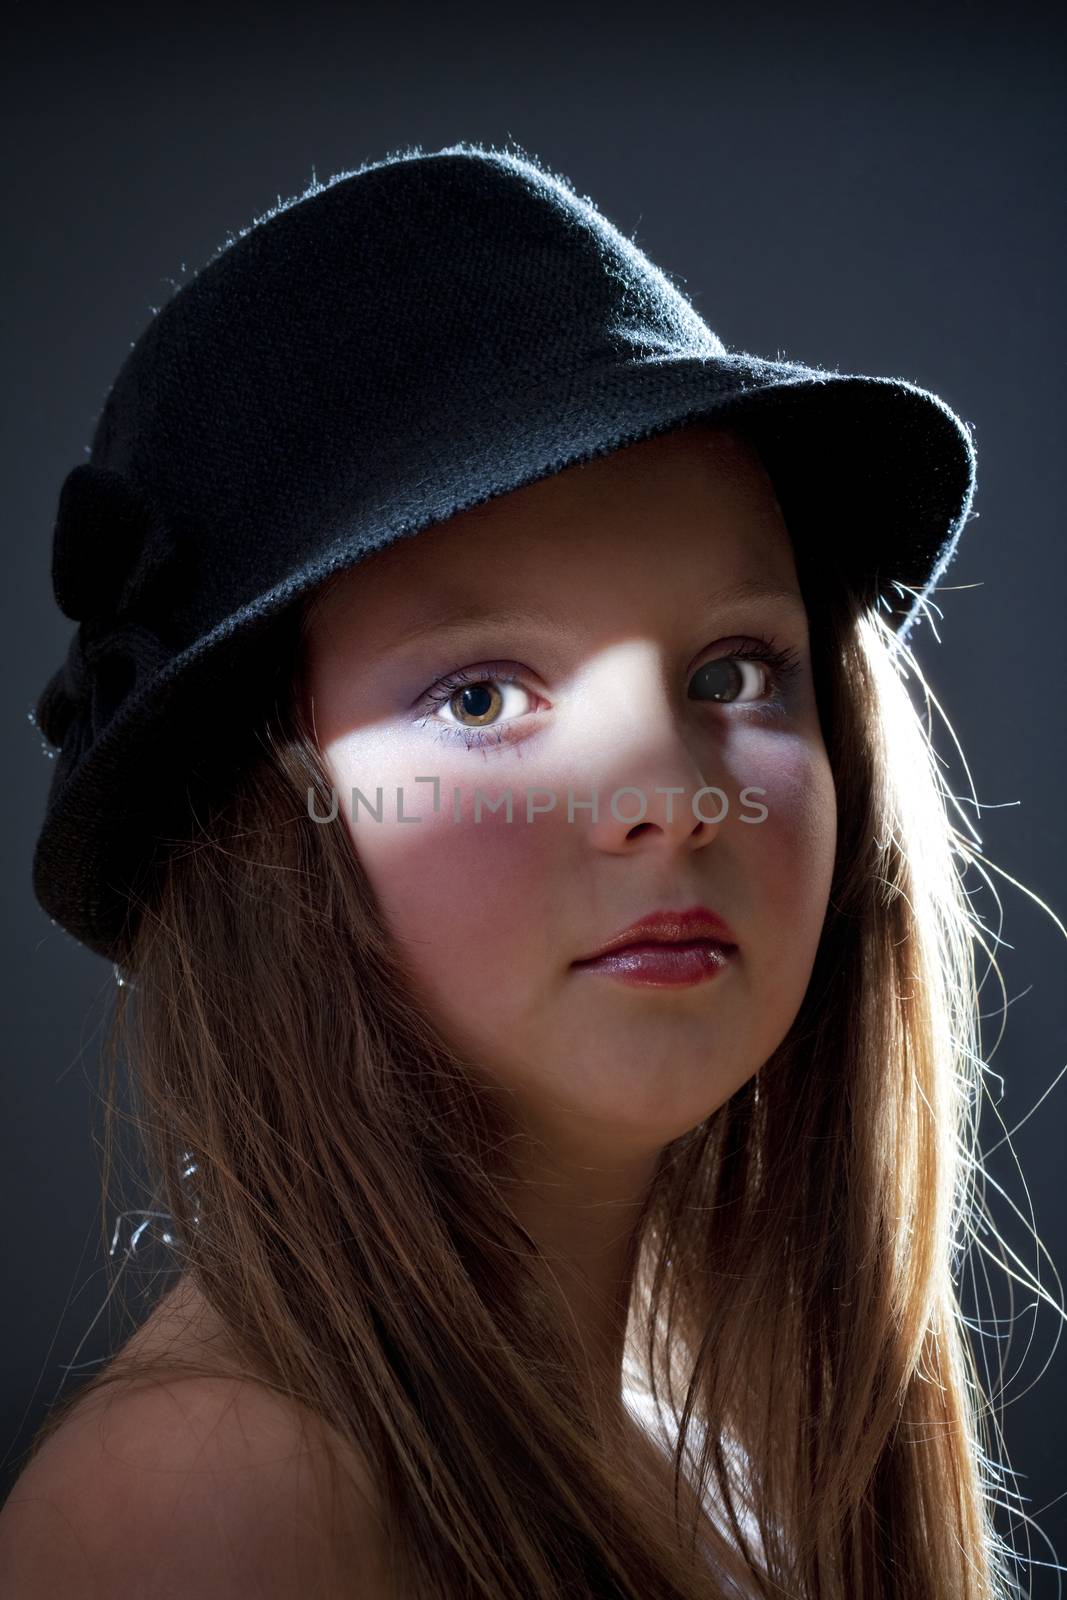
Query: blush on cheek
pixel 468 902
pixel 786 866
pixel 789 854
pixel 797 790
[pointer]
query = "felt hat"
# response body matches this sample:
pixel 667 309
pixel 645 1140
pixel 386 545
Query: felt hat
pixel 363 361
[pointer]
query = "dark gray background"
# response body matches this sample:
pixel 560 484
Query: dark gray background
pixel 879 194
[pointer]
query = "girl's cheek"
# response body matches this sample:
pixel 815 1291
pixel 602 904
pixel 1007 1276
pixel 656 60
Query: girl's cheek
pixel 798 835
pixel 413 801
pixel 440 862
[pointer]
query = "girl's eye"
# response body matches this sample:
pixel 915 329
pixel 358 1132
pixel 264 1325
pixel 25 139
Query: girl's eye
pixel 721 678
pixel 475 698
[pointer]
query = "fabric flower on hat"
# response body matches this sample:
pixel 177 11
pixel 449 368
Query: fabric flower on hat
pixel 114 564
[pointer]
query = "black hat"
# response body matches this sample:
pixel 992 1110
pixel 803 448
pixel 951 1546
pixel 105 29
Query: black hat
pixel 365 360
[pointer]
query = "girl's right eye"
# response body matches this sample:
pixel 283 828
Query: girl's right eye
pixel 476 689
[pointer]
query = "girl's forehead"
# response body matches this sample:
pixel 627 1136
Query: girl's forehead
pixel 569 610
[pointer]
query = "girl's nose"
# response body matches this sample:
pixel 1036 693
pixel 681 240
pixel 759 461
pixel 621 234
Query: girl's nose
pixel 648 760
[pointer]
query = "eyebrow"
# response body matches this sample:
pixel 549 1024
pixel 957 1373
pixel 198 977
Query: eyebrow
pixel 457 618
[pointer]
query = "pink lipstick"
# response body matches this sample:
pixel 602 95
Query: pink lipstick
pixel 667 949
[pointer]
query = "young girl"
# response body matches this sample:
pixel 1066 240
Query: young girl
pixel 544 969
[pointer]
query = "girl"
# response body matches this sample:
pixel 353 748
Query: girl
pixel 543 960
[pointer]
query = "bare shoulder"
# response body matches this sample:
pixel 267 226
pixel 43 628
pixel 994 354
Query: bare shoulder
pixel 198 1485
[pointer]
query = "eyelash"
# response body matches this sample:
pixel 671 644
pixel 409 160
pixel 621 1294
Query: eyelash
pixel 785 664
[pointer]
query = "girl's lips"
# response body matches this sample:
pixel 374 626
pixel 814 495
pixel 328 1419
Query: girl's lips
pixel 664 966
pixel 695 923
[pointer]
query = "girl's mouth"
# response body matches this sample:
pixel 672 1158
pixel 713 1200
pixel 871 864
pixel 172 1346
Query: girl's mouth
pixel 663 965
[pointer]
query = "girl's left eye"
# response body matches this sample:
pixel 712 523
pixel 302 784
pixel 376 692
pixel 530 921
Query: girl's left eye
pixel 478 690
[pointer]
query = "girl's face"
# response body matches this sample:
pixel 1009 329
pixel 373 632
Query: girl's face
pixel 582 613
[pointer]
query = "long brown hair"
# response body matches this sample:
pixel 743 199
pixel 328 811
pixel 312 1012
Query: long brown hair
pixel 336 1182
